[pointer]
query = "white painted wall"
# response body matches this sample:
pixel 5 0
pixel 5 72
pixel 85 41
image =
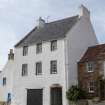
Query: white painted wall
pixel 69 52
pixel 8 73
pixel 80 37
pixel 46 80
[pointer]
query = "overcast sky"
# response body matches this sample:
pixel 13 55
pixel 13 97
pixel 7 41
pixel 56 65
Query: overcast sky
pixel 18 17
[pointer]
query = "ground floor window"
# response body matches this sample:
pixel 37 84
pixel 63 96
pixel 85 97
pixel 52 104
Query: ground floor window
pixel 91 86
pixel 9 98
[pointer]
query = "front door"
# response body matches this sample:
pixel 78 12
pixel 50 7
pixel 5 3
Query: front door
pixel 34 97
pixel 56 96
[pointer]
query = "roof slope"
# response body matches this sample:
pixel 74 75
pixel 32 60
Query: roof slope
pixel 94 53
pixel 51 31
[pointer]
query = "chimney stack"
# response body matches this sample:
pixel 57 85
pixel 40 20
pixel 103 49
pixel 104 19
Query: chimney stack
pixel 84 12
pixel 11 55
pixel 41 22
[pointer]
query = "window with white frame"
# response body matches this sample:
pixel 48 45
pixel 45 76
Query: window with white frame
pixel 53 45
pixel 25 50
pixel 38 68
pixel 53 67
pixel 39 48
pixel 24 69
pixel 91 86
pixel 89 66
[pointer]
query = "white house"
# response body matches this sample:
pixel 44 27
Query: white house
pixel 6 78
pixel 44 65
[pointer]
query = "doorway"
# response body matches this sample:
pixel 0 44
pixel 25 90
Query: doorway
pixel 56 96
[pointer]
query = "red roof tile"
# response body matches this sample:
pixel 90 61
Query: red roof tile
pixel 94 53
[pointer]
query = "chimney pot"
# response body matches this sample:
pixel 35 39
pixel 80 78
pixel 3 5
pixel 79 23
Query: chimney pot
pixel 11 51
pixel 41 22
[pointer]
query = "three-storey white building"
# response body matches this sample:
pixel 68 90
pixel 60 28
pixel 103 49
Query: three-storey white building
pixel 44 64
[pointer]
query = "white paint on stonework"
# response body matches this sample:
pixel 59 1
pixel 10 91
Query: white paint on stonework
pixel 68 53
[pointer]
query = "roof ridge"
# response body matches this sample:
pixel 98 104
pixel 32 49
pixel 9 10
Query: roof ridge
pixel 62 19
pixel 52 30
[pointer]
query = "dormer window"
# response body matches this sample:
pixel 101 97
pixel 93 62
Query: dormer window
pixel 89 66
pixel 53 45
pixel 25 50
pixel 39 48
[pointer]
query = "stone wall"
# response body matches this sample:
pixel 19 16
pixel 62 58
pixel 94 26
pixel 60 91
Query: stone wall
pixel 84 76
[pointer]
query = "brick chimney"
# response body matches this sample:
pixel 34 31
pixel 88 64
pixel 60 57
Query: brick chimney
pixel 84 12
pixel 11 55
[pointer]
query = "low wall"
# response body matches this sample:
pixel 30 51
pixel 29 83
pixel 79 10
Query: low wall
pixel 2 103
pixel 80 102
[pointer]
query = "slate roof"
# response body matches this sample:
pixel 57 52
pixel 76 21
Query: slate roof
pixel 51 31
pixel 94 53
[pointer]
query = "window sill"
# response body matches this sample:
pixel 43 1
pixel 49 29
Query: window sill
pixel 91 91
pixel 24 75
pixel 53 50
pixel 53 73
pixel 90 71
pixel 25 55
pixel 38 74
pixel 37 53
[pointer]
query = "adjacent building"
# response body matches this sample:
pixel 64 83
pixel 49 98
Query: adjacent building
pixel 91 71
pixel 44 63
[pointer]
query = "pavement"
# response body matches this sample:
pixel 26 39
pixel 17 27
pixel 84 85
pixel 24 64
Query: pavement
pixel 102 103
pixel 99 103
